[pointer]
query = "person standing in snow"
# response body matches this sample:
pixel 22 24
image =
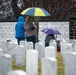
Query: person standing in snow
pixel 19 30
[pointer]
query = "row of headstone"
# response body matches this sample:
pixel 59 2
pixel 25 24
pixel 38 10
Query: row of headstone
pixel 16 51
pixel 7 46
pixel 7 29
pixel 68 52
pixel 31 64
pixel 67 46
pixel 70 61
pixel 48 66
pixel 49 51
pixel 40 47
pixel 28 45
pixel 41 53
pixel 32 57
pixel 13 49
pixel 72 42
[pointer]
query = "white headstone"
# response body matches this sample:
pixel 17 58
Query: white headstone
pixel 11 49
pixel 1 51
pixel 5 64
pixel 17 72
pixel 5 49
pixel 40 48
pixel 54 44
pixel 50 51
pixel 20 54
pixel 62 42
pixel 14 40
pixel 73 42
pixel 29 45
pixel 11 46
pixel 24 43
pixel 3 45
pixel 43 42
pixel 32 62
pixel 65 48
pixel 49 66
pixel 70 63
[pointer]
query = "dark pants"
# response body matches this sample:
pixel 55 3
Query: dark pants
pixel 20 39
pixel 31 39
pixel 46 44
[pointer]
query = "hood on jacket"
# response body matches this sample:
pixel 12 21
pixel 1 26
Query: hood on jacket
pixel 21 19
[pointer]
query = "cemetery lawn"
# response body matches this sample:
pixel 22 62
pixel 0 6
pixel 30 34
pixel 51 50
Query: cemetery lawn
pixel 60 66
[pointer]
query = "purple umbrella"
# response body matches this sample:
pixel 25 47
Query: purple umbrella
pixel 51 31
pixel 57 32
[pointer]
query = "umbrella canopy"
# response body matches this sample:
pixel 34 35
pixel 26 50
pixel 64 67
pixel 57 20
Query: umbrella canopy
pixel 51 31
pixel 35 11
pixel 57 32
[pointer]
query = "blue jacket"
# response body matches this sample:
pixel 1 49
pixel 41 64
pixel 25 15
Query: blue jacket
pixel 19 28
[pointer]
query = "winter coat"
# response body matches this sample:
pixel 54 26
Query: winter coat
pixel 48 38
pixel 19 28
pixel 30 29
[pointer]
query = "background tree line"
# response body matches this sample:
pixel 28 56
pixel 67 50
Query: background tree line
pixel 59 9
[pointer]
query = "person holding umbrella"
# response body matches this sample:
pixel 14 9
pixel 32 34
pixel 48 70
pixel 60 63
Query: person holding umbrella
pixel 19 30
pixel 35 12
pixel 30 30
pixel 50 35
pixel 48 38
